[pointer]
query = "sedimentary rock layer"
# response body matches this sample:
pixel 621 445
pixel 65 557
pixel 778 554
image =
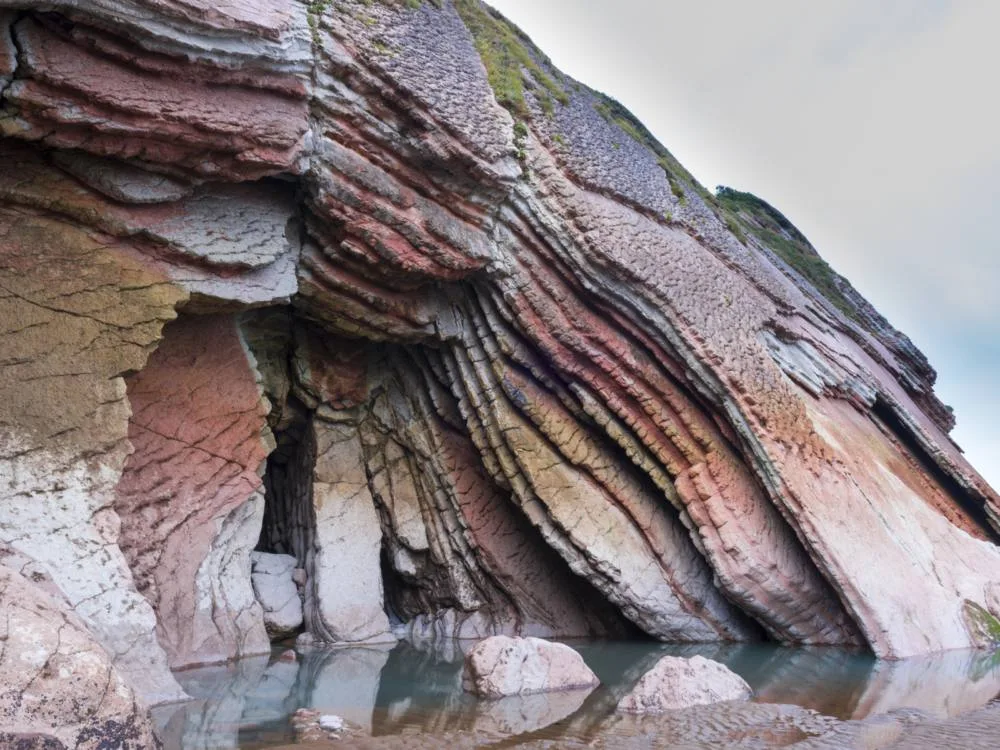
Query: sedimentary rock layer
pixel 524 375
pixel 190 497
pixel 77 311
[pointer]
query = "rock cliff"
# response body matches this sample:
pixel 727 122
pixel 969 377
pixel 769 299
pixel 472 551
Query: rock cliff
pixel 371 284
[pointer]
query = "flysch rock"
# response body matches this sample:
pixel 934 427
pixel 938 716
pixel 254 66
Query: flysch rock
pixel 190 497
pixel 501 666
pixel 273 32
pixel 68 96
pixel 481 554
pixel 230 246
pixel 676 683
pixel 344 595
pixel 60 688
pixel 92 314
pixel 522 381
pixel 121 181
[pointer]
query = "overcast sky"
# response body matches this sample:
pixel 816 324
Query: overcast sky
pixel 874 125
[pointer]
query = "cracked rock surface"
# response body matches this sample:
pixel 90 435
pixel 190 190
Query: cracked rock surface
pixel 293 279
pixel 190 498
pixel 678 683
pixel 501 666
pixel 60 688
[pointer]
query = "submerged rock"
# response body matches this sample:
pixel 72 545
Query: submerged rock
pixel 331 723
pixel 502 666
pixel 676 683
pixel 315 726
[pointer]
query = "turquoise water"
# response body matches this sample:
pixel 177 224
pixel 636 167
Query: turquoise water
pixel 416 690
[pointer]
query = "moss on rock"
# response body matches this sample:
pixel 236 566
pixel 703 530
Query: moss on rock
pixel 773 230
pixel 983 626
pixel 511 60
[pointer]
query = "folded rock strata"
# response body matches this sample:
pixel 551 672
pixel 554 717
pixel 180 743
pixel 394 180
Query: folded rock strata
pixel 523 374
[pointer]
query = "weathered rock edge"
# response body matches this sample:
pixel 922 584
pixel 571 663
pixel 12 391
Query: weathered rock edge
pixel 676 683
pixel 59 685
pixel 554 386
pixel 501 666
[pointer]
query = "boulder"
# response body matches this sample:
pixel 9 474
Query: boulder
pixel 676 683
pixel 501 665
pixel 58 686
pixel 275 589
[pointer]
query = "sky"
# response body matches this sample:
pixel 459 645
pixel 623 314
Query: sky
pixel 874 126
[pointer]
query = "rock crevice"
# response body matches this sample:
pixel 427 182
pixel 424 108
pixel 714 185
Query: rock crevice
pixel 482 360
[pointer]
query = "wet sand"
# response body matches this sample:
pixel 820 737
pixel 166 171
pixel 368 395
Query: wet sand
pixel 748 727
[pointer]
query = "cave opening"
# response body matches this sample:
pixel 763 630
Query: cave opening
pixel 288 485
pixel 280 559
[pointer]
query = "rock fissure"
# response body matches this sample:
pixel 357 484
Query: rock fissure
pixel 10 54
pixel 438 371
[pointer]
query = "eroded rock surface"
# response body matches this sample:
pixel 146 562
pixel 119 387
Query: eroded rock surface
pixel 190 497
pixel 345 599
pixel 501 666
pixel 78 311
pixel 523 374
pixel 676 683
pixel 59 687
pixel 273 578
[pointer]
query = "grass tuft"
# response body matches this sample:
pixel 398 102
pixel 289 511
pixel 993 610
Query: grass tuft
pixel 510 60
pixel 777 233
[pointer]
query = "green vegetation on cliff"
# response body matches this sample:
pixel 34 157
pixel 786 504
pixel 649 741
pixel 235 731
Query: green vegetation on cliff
pixel 762 220
pixel 510 58
pixel 677 176
pixel 514 65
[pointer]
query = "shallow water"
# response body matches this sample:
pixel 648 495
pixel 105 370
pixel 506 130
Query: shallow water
pixel 414 693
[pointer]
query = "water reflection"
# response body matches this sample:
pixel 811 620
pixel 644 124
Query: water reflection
pixel 410 690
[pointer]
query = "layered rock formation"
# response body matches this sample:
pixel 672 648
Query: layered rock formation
pixel 190 497
pixel 59 687
pixel 523 374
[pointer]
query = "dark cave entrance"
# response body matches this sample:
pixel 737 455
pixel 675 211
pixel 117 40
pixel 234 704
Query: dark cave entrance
pixel 288 485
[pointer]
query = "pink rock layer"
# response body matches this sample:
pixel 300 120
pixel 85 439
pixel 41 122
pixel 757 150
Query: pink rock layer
pixel 190 496
pixel 523 375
